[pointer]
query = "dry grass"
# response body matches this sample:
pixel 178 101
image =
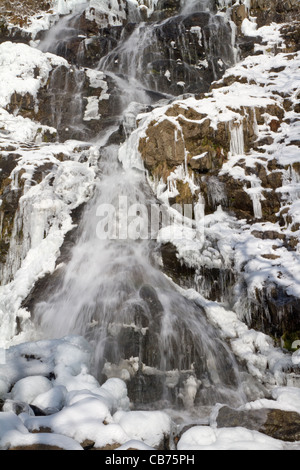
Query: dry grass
pixel 19 11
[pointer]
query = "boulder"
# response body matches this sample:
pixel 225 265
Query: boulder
pixel 279 424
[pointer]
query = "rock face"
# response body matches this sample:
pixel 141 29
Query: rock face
pixel 222 149
pixel 268 11
pixel 36 447
pixel 279 424
pixel 181 54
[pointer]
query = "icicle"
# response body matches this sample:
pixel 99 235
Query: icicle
pixel 237 145
pixel 256 196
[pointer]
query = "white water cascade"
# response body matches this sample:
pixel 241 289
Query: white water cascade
pixel 112 290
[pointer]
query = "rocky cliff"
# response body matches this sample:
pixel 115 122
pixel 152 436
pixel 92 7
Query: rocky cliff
pixel 236 149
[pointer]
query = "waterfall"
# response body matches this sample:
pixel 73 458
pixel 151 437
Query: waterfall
pixel 186 63
pixel 57 38
pixel 112 291
pixel 190 6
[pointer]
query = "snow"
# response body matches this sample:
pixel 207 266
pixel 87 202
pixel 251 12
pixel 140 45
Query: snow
pixel 86 411
pixel 52 400
pixel 14 434
pixel 73 396
pixel 92 109
pixel 150 427
pixel 20 129
pixel 26 390
pixel 97 80
pixel 206 438
pixel 106 12
pixel 133 444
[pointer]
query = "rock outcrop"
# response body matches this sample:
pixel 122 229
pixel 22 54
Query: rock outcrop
pixel 279 424
pixel 239 155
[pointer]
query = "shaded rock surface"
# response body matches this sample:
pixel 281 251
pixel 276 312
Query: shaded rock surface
pixel 279 424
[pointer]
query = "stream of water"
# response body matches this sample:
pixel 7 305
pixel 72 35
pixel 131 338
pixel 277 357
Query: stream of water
pixel 113 291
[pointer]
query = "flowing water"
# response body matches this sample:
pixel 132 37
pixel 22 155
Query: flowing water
pixel 113 292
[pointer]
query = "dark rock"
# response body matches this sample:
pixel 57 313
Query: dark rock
pixel 274 312
pixel 89 445
pixel 173 55
pixel 149 295
pixel 166 8
pixel 180 273
pixel 42 430
pixel 37 411
pixel 10 201
pixel 278 424
pixel 36 447
pixel 268 235
pixel 146 388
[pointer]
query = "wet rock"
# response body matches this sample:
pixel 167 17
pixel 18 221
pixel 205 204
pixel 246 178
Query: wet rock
pixel 279 424
pixel 166 8
pixel 239 202
pixel 268 235
pixel 180 273
pixel 149 295
pixel 37 411
pixel 274 312
pixel 143 389
pixel 9 201
pixel 175 60
pixel 63 104
pixel 17 407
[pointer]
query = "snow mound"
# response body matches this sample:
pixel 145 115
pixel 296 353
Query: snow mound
pixel 24 69
pixel 28 389
pixel 207 438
